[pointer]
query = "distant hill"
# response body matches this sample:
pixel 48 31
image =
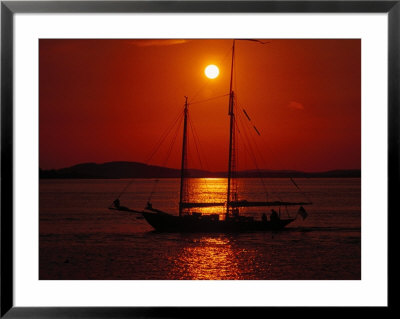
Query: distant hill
pixel 116 170
pixel 139 170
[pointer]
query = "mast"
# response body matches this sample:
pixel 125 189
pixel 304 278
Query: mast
pixel 184 161
pixel 231 132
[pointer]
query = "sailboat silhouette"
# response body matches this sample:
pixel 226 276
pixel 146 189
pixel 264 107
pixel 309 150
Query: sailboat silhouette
pixel 232 220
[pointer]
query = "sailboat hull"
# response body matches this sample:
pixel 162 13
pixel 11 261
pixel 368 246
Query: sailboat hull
pixel 188 224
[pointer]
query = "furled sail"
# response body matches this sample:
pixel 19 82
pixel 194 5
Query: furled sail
pixel 245 203
pixel 192 205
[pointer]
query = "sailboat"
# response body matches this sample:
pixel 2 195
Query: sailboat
pixel 230 220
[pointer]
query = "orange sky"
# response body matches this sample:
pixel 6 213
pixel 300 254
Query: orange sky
pixel 111 100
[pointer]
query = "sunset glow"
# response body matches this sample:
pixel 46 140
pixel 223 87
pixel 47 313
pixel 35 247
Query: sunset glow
pixel 120 96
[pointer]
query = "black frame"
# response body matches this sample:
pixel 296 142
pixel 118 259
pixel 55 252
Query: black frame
pixel 8 8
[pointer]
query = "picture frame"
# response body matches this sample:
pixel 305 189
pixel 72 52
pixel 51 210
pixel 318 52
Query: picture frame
pixel 9 8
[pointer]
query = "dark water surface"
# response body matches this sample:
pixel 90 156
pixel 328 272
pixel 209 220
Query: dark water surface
pixel 81 239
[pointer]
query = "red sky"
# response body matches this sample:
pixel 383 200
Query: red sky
pixel 111 100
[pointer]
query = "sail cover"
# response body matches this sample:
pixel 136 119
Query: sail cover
pixel 191 205
pixel 245 203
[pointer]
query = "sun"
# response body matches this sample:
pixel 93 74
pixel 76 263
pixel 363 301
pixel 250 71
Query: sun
pixel 211 71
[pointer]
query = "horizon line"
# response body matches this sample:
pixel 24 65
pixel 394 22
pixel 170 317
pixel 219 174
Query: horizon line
pixel 205 170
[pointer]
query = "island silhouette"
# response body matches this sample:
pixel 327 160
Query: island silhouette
pixel 117 170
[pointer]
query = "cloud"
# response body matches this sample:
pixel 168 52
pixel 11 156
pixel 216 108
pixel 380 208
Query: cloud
pixel 159 42
pixel 296 105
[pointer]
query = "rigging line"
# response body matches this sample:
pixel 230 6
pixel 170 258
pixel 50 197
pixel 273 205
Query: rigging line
pixel 248 141
pixel 196 136
pixel 236 105
pixel 168 153
pixel 124 189
pixel 258 148
pixel 172 143
pixel 300 190
pixel 208 82
pixel 245 157
pixel 210 99
pixel 273 155
pixel 270 150
pixel 153 190
pixel 196 143
pixel 260 154
pixel 255 140
pixel 240 119
pixel 253 156
pixel 236 155
pixel 248 117
pixel 167 156
pixel 164 136
pixel 201 151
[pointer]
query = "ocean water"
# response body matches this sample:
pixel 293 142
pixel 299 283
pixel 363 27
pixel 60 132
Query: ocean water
pixel 81 239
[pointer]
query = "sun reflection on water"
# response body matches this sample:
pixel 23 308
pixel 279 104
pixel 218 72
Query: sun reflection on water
pixel 222 256
pixel 208 190
pixel 207 258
